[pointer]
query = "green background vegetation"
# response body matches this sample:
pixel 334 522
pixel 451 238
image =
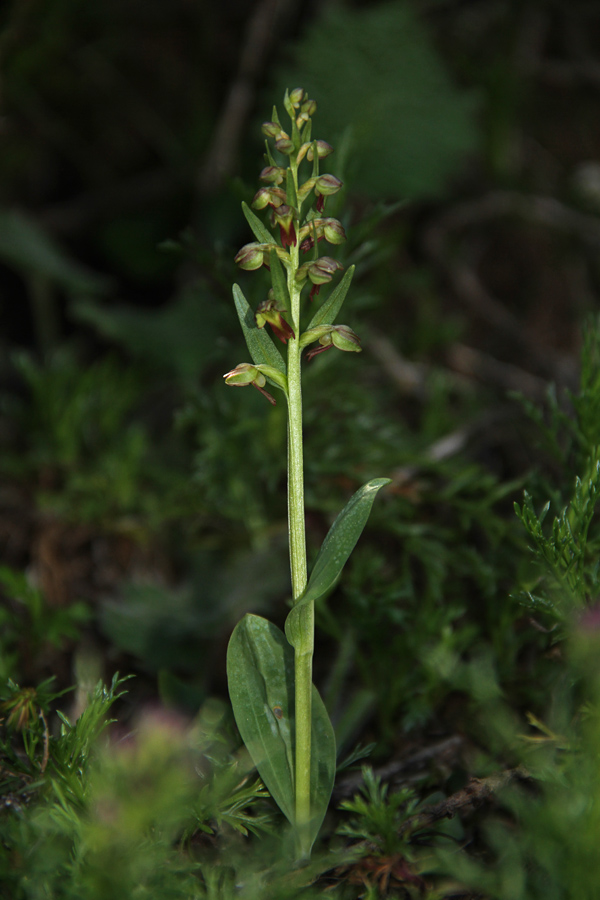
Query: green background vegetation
pixel 142 503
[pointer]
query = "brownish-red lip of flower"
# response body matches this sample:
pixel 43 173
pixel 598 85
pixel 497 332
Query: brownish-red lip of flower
pixel 284 331
pixel 314 291
pixel 315 352
pixel 309 242
pixel 266 394
pixel 288 235
pixel 320 202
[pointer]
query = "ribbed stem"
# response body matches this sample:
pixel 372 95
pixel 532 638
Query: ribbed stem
pixel 296 524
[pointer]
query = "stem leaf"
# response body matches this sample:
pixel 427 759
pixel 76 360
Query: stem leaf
pixel 278 280
pixel 262 349
pixel 260 674
pixel 262 234
pixel 327 313
pixel 335 550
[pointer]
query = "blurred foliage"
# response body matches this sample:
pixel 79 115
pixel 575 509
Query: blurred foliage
pixel 383 92
pixel 88 456
pixel 28 625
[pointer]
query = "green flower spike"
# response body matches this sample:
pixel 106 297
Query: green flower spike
pixel 279 713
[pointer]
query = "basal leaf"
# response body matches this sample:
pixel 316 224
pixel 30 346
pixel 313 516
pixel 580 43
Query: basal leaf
pixel 262 234
pixel 262 349
pixel 260 675
pixel 327 313
pixel 322 763
pixel 335 550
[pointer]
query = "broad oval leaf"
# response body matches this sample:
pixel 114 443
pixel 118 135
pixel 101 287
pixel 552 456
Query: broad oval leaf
pixel 262 234
pixel 327 313
pixel 260 674
pixel 335 550
pixel 262 349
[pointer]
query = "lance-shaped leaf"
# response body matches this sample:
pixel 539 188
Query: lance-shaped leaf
pixel 327 313
pixel 262 349
pixel 260 674
pixel 279 282
pixel 335 550
pixel 262 234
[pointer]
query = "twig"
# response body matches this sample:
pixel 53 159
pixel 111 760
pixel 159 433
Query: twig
pixel 46 752
pixel 476 792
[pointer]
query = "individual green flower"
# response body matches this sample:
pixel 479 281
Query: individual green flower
pixel 268 311
pixel 272 174
pixel 340 336
pixel 245 374
pixel 251 256
pixel 284 216
pixel 329 229
pixel 320 271
pixel 324 186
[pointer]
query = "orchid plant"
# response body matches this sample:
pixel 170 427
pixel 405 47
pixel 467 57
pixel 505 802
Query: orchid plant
pixel 280 715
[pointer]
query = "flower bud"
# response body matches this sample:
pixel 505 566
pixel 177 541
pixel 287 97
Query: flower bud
pixel 323 150
pixel 321 270
pixel 271 196
pixel 285 146
pixel 261 199
pixel 271 129
pixel 309 107
pixel 272 174
pixel 345 339
pixel 333 231
pixel 296 97
pixel 327 184
pixel 251 256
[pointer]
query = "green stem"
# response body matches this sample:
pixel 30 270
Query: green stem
pixel 304 651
